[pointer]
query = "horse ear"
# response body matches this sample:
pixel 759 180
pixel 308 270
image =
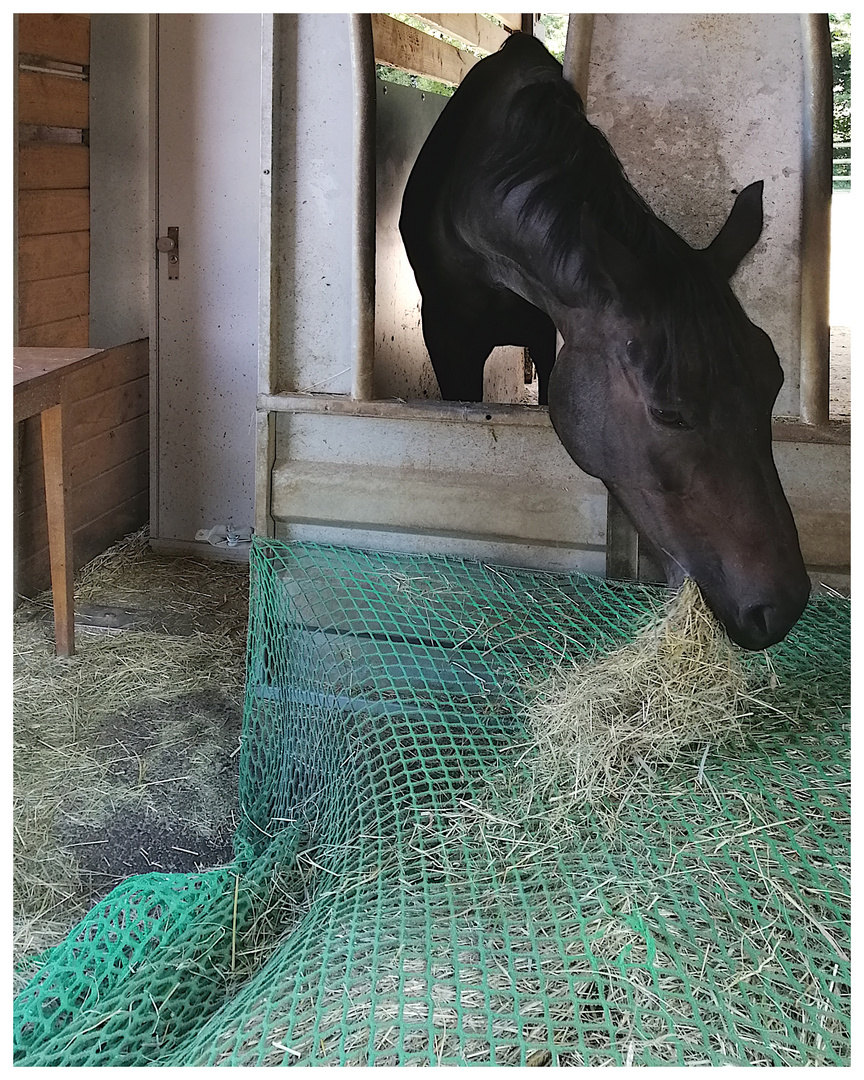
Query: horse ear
pixel 742 229
pixel 608 262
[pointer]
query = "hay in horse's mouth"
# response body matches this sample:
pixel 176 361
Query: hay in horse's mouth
pixel 603 726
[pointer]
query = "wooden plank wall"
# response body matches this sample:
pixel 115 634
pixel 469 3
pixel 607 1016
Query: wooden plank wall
pixel 420 52
pixel 109 438
pixel 53 179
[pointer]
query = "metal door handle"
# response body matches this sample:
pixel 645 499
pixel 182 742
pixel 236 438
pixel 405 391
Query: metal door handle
pixel 171 245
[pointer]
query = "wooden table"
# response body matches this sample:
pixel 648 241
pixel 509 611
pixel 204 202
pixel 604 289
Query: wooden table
pixel 40 385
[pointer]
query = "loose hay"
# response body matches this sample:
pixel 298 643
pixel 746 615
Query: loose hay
pixel 601 726
pixel 124 730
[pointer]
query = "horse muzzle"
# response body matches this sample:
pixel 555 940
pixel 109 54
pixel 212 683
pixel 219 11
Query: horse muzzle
pixel 761 625
pixel 758 618
pixel 756 609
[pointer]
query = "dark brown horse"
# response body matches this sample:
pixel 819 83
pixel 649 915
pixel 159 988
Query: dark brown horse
pixel 517 220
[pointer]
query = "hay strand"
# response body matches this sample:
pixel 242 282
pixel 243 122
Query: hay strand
pixel 599 726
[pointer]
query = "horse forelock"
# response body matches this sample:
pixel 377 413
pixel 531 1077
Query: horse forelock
pixel 703 338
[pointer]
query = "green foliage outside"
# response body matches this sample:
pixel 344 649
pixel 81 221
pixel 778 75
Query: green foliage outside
pixel 841 57
pixel 420 82
pixel 555 34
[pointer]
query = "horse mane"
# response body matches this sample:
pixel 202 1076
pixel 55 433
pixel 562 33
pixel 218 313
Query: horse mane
pixel 549 144
pixel 550 148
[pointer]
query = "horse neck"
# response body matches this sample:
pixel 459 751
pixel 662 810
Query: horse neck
pixel 660 257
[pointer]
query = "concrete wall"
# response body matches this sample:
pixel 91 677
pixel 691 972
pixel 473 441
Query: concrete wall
pixel 697 107
pixel 491 482
pixel 312 202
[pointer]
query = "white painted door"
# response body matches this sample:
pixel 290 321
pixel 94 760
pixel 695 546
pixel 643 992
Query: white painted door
pixel 205 320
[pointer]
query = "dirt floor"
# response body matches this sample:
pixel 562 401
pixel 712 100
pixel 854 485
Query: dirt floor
pixel 126 755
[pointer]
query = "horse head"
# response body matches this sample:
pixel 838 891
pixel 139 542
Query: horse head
pixel 664 390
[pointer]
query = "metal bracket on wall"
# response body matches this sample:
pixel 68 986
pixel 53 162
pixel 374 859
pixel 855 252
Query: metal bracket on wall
pixel 170 244
pixel 225 535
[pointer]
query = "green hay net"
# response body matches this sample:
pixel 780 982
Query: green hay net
pixel 398 897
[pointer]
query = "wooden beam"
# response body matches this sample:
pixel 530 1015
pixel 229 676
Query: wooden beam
pixel 53 100
pixel 401 46
pixel 470 29
pixel 41 166
pixel 54 255
pixel 513 21
pixel 65 38
pixel 58 211
pixel 53 299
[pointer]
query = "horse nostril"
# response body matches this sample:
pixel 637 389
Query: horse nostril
pixel 758 620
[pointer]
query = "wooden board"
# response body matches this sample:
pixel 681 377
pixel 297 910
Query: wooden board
pixel 51 166
pixel 87 459
pixel 46 374
pixel 471 29
pixel 69 332
pixel 51 299
pixel 42 212
pixel 88 541
pixel 53 180
pixel 401 46
pixel 88 501
pixel 104 411
pixel 53 100
pixel 53 255
pixel 513 21
pixel 65 38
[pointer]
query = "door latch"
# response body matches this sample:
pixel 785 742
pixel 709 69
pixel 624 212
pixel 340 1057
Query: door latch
pixel 171 245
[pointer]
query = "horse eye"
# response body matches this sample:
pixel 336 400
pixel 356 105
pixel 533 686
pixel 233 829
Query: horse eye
pixel 670 418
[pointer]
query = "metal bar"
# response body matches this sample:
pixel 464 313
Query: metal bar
pixel 836 433
pixel 816 219
pixel 363 245
pixel 622 543
pixel 458 412
pixel 265 458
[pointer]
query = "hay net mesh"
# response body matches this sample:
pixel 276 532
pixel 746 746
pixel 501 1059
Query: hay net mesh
pixel 398 896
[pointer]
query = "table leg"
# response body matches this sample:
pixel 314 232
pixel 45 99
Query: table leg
pixel 55 464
